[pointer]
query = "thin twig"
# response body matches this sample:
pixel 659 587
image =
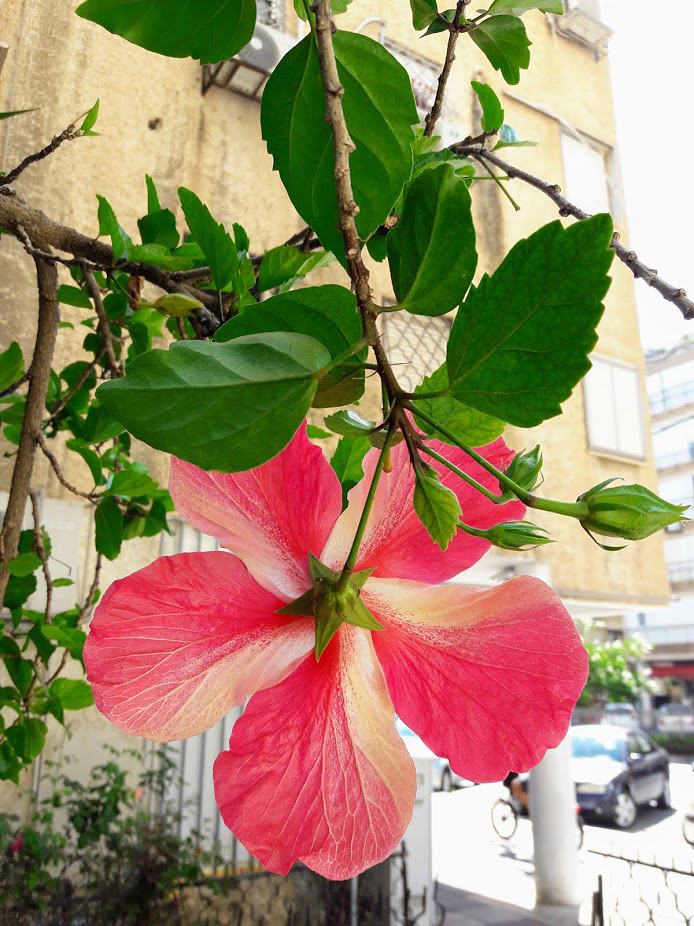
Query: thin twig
pixel 433 116
pixel 57 409
pixel 676 295
pixel 50 456
pixel 41 550
pixel 15 386
pixel 68 134
pixel 46 334
pixel 84 613
pixel 103 323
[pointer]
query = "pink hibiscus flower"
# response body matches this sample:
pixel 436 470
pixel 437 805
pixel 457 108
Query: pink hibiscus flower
pixel 315 770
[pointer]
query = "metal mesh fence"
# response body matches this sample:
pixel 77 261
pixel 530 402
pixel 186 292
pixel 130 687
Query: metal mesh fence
pixel 416 345
pixel 642 891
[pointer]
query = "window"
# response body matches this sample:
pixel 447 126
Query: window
pixel 271 13
pixel 614 418
pixel 585 174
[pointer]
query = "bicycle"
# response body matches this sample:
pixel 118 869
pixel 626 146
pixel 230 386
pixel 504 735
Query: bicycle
pixel 505 813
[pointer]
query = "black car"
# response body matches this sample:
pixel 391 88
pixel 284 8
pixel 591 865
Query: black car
pixel 616 770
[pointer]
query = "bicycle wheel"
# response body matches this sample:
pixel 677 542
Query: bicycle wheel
pixel 504 818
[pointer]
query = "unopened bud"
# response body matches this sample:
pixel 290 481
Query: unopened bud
pixel 631 512
pixel 524 469
pixel 517 535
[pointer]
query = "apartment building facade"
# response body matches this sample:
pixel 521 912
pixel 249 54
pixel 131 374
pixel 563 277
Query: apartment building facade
pixel 200 128
pixel 670 632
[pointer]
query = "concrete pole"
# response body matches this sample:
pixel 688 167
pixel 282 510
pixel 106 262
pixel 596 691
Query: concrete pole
pixel 553 809
pixel 555 837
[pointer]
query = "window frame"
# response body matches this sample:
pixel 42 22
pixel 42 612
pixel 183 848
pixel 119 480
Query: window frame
pixel 599 449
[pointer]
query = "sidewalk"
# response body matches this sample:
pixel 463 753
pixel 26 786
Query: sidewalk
pixel 466 909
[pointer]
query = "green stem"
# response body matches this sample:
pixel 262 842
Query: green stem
pixel 497 499
pixel 501 186
pixel 577 510
pixel 474 531
pixel 341 358
pixel 351 560
pixel 485 464
pixel 310 16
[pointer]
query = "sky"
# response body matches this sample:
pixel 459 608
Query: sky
pixel 650 60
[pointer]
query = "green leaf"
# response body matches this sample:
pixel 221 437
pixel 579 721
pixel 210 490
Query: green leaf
pixel 436 505
pixel 285 264
pixel 73 694
pixel 380 111
pixel 327 313
pixel 178 305
pixel 90 120
pixel 225 407
pixel 108 225
pixel 520 342
pixel 100 426
pixel 24 564
pixel 16 112
pixel 44 647
pixel 19 588
pixel 438 25
pixel 11 365
pixel 215 241
pixel 349 424
pixel 518 7
pixel 505 42
pixel 133 482
pixel 347 461
pixel 431 251
pixel 492 110
pixel 316 433
pixel 509 139
pixel 19 669
pixel 159 225
pixel 73 295
pixel 90 457
pixel 109 528
pixel 466 424
pixel 424 12
pixel 209 30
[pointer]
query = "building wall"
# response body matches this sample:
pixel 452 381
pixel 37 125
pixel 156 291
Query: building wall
pixel 155 120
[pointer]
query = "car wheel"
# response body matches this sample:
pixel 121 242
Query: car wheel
pixel 625 811
pixel 446 780
pixel 665 800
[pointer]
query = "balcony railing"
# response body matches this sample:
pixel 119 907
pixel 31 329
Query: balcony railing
pixel 669 633
pixel 677 397
pixel 681 572
pixel 675 459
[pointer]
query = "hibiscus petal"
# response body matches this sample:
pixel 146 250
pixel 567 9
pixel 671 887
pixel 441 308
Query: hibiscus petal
pixel 487 678
pixel 173 647
pixel 271 517
pixel 396 543
pixel 316 770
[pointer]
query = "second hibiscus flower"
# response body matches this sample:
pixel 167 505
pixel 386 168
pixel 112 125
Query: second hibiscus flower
pixel 315 770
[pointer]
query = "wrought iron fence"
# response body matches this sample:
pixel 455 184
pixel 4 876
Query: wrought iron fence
pixel 638 891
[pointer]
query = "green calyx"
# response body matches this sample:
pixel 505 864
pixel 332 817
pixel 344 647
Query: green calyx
pixel 332 602
pixel 631 512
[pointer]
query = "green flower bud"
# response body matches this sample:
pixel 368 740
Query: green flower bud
pixel 517 535
pixel 524 469
pixel 631 512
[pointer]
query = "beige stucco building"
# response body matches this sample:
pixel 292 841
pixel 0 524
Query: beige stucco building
pixel 155 119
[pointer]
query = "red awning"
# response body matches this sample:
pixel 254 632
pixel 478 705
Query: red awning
pixel 673 670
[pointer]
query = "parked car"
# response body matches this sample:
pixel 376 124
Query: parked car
pixel 616 771
pixel 675 718
pixel 443 776
pixel 620 715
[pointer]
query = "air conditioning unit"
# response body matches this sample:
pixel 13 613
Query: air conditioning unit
pixel 581 21
pixel 247 72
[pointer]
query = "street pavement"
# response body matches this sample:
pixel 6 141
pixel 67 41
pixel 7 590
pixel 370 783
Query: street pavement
pixel 469 856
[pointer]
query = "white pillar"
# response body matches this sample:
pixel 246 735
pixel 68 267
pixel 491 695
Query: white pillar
pixel 553 808
pixel 553 815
